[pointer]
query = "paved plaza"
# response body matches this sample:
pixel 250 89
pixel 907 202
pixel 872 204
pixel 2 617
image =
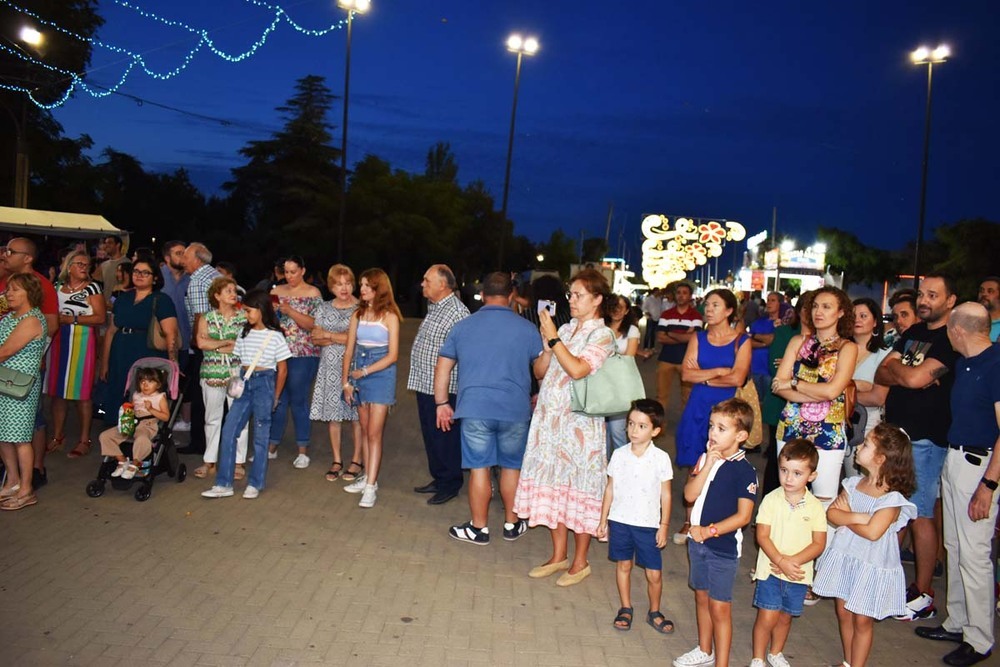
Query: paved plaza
pixel 302 575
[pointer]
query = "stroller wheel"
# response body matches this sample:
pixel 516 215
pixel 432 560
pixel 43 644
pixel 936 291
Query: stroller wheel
pixel 95 489
pixel 182 472
pixel 142 493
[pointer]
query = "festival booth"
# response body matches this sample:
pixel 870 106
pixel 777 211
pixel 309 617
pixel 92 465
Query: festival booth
pixel 58 223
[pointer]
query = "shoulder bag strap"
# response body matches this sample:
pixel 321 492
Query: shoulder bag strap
pixel 256 359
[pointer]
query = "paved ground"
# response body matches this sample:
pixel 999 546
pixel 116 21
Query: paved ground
pixel 302 575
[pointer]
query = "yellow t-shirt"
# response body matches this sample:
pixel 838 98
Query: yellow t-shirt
pixel 792 529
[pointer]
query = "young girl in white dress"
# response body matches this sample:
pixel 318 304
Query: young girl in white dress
pixel 861 569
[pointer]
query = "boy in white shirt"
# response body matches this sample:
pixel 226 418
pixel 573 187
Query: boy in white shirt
pixel 636 511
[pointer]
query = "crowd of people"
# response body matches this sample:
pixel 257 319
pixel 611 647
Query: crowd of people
pixel 868 427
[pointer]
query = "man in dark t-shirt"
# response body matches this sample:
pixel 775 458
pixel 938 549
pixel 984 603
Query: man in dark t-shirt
pixel 676 326
pixel 919 374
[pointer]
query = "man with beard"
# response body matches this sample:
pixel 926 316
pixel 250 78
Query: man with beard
pixel 919 375
pixel 989 296
pixel 175 285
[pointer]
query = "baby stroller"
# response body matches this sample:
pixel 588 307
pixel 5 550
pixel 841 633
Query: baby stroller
pixel 164 457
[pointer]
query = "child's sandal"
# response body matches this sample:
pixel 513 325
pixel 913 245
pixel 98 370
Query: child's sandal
pixel 623 621
pixel 239 472
pixel 665 625
pixel 351 475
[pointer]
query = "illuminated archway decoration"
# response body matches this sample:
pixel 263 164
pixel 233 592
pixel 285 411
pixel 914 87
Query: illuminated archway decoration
pixel 669 253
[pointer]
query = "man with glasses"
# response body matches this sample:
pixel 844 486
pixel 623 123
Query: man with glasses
pixel 18 256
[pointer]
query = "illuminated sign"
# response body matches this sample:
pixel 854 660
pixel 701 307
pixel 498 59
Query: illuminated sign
pixel 668 253
pixel 756 240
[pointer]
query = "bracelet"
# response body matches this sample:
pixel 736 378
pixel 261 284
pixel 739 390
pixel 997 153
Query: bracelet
pixel 346 385
pixel 442 404
pixel 365 371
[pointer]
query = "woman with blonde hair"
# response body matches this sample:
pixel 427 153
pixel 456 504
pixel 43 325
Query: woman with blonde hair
pixel 368 374
pixel 72 357
pixel 333 319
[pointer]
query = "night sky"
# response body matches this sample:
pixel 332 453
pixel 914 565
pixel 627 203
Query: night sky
pixel 713 109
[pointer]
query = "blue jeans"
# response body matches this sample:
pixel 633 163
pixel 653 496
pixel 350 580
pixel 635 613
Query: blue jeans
pixel 258 399
pixel 616 434
pixel 298 387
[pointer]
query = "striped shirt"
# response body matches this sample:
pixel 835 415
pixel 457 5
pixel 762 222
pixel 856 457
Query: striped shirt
pixel 441 317
pixel 276 350
pixel 675 320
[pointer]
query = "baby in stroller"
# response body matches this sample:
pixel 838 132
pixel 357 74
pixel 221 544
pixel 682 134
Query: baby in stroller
pixel 150 405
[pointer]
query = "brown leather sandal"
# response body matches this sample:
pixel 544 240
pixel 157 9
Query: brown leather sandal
pixel 82 449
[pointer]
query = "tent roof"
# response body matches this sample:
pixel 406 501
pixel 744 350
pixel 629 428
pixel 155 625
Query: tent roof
pixel 56 223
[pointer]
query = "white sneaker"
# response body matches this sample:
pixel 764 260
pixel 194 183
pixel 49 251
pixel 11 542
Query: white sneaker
pixel 757 662
pixel 272 455
pixel 777 660
pixel 251 492
pixel 368 495
pixel 358 485
pixel 218 492
pixel 182 426
pixel 301 461
pixel 120 469
pixel 695 658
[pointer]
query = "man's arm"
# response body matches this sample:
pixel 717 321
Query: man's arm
pixel 982 498
pixel 894 373
pixel 442 378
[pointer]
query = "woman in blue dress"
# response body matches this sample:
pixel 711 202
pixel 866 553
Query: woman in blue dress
pixel 717 361
pixel 125 341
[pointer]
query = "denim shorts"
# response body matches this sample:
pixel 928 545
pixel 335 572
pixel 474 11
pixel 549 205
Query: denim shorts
pixel 712 571
pixel 378 387
pixel 625 541
pixel 491 442
pixel 776 594
pixel 928 461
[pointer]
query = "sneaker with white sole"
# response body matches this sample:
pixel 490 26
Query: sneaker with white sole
pixel 919 606
pixel 512 531
pixel 358 485
pixel 130 470
pixel 301 461
pixel 695 658
pixel 251 492
pixel 119 469
pixel 182 426
pixel 466 532
pixel 272 455
pixel 757 662
pixel 777 660
pixel 218 492
pixel 681 537
pixel 368 496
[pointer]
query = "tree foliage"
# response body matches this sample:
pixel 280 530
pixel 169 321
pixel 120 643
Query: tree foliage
pixel 860 263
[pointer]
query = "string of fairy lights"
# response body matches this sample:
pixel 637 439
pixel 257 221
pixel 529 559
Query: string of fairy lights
pixel 134 60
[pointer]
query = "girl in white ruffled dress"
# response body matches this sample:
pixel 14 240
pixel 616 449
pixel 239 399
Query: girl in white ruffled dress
pixel 861 569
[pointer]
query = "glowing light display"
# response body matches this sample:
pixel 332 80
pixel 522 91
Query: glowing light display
pixel 669 253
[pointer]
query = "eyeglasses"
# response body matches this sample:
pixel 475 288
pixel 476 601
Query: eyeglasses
pixel 575 295
pixel 141 273
pixel 11 251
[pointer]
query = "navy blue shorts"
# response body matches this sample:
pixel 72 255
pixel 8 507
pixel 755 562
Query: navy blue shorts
pixel 626 542
pixel 776 594
pixel 712 571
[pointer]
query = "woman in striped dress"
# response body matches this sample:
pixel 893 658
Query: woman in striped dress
pixel 72 357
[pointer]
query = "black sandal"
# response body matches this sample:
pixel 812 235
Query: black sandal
pixel 333 474
pixel 350 476
pixel 624 616
pixel 665 627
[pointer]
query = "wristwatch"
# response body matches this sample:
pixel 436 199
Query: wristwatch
pixel 712 530
pixel 989 484
pixel 553 341
pixel 794 383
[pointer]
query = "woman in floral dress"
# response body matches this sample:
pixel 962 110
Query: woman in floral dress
pixel 563 472
pixel 333 319
pixel 296 303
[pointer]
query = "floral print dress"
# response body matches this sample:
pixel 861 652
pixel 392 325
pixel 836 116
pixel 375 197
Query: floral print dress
pixel 563 472
pixel 821 422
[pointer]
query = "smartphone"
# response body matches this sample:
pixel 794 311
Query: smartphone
pixel 544 304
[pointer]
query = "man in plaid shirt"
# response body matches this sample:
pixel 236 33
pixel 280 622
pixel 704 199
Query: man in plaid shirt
pixel 444 449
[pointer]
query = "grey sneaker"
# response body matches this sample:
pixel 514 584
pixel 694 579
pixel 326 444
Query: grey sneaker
pixel 218 492
pixel 251 492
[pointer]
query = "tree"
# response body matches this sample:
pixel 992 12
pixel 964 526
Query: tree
pixel 559 251
pixel 594 249
pixel 968 250
pixel 441 165
pixel 859 262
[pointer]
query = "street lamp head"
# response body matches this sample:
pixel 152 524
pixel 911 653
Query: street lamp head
pixel 526 45
pixel 787 245
pixel 531 46
pixel 514 43
pixel 356 6
pixel 540 257
pixel 29 35
pixel 924 55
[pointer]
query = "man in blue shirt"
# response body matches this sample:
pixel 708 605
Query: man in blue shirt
pixel 495 349
pixel 969 488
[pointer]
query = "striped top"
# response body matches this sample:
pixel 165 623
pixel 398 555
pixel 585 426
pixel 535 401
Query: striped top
pixel 77 303
pixel 276 350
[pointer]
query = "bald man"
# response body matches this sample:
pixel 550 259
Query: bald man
pixel 969 488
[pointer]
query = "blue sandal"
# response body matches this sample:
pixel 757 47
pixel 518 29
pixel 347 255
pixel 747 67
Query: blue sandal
pixel 624 616
pixel 664 627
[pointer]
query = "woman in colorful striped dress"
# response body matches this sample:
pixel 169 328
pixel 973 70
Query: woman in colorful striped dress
pixel 72 357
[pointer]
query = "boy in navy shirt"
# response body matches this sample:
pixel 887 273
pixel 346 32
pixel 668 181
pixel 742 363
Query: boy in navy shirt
pixel 723 488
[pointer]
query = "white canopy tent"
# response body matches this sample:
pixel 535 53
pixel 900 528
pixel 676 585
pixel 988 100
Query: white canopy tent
pixel 58 223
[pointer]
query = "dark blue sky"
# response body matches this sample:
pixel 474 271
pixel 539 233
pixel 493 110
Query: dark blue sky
pixel 719 109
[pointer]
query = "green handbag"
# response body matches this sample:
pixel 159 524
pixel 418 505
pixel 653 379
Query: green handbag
pixel 609 391
pixel 15 383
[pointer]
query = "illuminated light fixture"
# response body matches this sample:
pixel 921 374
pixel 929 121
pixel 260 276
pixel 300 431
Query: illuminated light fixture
pixel 357 6
pixel 787 245
pixel 669 253
pixel 819 247
pixel 924 55
pixel 514 42
pixel 531 46
pixel 29 35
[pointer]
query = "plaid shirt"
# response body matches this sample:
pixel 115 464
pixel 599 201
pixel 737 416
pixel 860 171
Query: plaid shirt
pixel 441 317
pixel 196 299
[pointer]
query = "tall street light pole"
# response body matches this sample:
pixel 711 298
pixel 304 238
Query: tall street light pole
pixel 925 56
pixel 33 38
pixel 522 47
pixel 353 7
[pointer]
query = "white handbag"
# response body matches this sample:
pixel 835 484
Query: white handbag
pixel 237 383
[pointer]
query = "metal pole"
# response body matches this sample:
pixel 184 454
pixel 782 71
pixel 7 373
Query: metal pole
pixel 510 153
pixel 21 166
pixel 923 179
pixel 343 144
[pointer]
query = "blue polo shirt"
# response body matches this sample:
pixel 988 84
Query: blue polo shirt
pixel 973 400
pixel 495 348
pixel 729 480
pixel 176 289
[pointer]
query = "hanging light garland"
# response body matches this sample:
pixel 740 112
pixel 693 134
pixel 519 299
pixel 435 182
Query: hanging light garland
pixel 136 60
pixel 669 253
